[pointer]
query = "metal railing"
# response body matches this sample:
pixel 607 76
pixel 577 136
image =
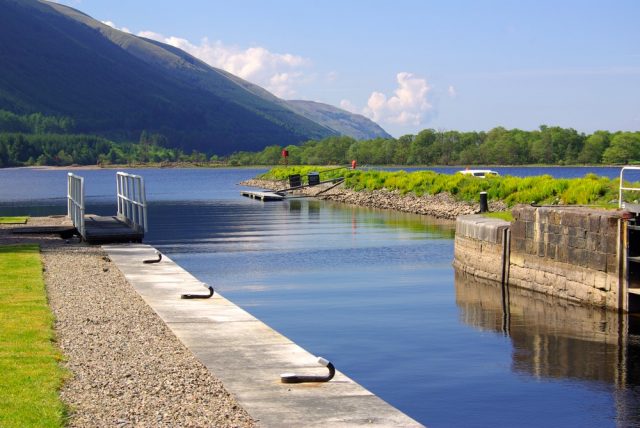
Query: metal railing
pixel 132 200
pixel 75 201
pixel 634 207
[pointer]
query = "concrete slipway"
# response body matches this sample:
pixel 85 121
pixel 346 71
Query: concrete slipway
pixel 247 355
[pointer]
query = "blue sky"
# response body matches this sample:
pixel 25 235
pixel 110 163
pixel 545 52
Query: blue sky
pixel 410 65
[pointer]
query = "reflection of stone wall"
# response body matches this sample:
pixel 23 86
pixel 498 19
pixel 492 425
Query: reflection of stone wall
pixel 552 337
pixel 569 252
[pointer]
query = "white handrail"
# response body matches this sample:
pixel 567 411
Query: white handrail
pixel 75 201
pixel 621 202
pixel 132 200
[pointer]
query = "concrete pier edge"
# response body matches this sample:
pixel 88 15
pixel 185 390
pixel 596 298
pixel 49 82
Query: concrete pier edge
pixel 247 355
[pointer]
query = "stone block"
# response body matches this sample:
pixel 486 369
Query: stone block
pixel 560 284
pixel 612 264
pixel 575 275
pixel 594 223
pixel 593 242
pixel 570 219
pixel 530 247
pixel 555 229
pixel 577 242
pixel 518 230
pixel 612 223
pixel 552 238
pixel 518 245
pixel 597 261
pixel 525 212
pixel 612 286
pixel 540 251
pixel 583 293
pixel 611 244
pixel 516 261
pixel 554 218
pixel 562 255
pixel 577 256
pixel 600 281
pixel 577 232
pixel 529 230
pixel 571 287
pixel 543 215
pixel 551 250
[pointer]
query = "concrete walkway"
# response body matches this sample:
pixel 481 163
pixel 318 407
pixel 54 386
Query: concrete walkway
pixel 247 355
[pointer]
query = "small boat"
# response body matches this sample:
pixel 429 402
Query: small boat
pixel 481 173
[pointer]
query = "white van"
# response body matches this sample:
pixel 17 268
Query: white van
pixel 481 173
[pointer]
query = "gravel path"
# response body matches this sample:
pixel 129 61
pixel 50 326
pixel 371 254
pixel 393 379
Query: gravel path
pixel 128 369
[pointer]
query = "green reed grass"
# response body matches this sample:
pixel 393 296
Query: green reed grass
pixel 543 189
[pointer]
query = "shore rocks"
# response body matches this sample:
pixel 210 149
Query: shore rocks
pixel 442 205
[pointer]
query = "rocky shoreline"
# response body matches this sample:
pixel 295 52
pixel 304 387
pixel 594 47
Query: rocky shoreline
pixel 126 367
pixel 442 205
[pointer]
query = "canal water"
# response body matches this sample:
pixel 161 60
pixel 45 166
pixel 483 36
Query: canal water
pixel 374 292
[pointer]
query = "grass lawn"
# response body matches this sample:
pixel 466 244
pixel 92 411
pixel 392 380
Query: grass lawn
pixel 13 220
pixel 30 374
pixel 504 215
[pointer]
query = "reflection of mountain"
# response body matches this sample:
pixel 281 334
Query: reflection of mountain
pixel 553 338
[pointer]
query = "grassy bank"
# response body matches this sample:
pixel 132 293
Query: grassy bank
pixel 544 189
pixel 13 220
pixel 31 375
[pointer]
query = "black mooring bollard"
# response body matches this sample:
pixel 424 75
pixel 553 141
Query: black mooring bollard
pixel 484 205
pixel 294 378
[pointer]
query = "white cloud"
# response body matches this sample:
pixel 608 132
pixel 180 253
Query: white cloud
pixel 112 25
pixel 408 106
pixel 278 73
pixel 348 106
pixel 452 91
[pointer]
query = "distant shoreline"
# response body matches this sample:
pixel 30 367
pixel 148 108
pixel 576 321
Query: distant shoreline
pixel 221 166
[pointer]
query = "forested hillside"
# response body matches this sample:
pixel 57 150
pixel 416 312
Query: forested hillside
pixel 60 62
pixel 37 139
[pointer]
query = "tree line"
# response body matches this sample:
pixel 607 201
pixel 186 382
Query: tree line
pixel 72 149
pixel 38 139
pixel 499 146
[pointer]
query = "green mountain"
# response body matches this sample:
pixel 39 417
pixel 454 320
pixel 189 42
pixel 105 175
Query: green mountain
pixel 341 121
pixel 59 61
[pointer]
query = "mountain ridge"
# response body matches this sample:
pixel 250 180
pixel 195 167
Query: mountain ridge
pixel 346 123
pixel 58 60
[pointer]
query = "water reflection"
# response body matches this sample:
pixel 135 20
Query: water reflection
pixel 556 339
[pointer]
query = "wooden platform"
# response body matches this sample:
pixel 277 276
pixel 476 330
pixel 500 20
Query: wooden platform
pixel 99 229
pixel 64 231
pixel 262 195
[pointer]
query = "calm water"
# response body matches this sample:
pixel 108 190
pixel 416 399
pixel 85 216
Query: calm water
pixel 374 292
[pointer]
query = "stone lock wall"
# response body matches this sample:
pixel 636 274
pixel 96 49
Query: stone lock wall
pixel 574 253
pixel 479 245
pixel 570 252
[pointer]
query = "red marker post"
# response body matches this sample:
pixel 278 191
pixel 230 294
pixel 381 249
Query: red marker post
pixel 354 164
pixel 285 155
